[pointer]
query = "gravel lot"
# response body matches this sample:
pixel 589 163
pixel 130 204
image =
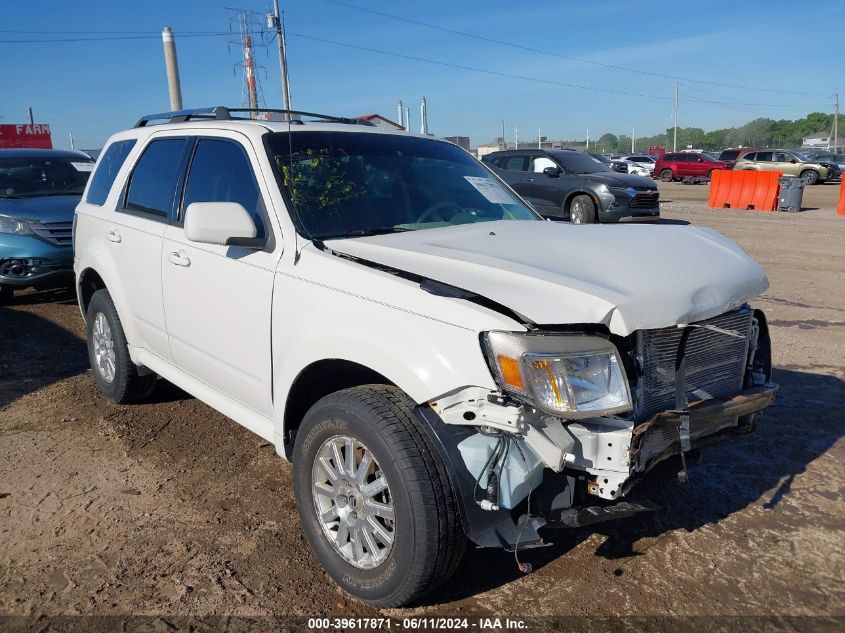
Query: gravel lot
pixel 169 510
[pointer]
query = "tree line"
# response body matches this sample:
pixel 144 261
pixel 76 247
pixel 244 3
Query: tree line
pixel 761 132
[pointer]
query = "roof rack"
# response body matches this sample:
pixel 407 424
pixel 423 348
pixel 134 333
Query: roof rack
pixel 222 113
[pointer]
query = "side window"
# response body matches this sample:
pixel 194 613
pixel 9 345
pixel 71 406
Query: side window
pixel 749 156
pixel 783 157
pixel 669 158
pixel 764 156
pixel 221 172
pixel 540 163
pixel 110 163
pixel 514 163
pixel 152 186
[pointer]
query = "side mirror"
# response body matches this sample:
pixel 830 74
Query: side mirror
pixel 552 172
pixel 222 223
pixel 793 161
pixel 700 159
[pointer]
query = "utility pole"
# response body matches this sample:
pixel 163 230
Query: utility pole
pixel 283 60
pixel 515 137
pixel 32 120
pixel 836 123
pixel 539 140
pixel 171 63
pixel 72 146
pixel 675 136
pixel 588 139
pixel 633 139
pixel 504 142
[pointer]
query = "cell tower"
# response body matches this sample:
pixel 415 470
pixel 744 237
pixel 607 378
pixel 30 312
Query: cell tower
pixel 251 28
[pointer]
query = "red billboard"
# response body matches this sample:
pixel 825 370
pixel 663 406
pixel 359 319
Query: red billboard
pixel 25 135
pixel 658 151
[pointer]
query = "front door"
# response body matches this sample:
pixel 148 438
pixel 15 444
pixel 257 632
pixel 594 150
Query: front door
pixel 218 298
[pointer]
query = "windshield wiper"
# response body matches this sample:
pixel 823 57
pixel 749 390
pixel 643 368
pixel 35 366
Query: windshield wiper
pixel 364 233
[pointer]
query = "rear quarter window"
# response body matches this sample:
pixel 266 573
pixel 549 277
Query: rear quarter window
pixel 106 171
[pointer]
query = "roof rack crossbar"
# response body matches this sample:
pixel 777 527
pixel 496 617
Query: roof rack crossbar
pixel 225 114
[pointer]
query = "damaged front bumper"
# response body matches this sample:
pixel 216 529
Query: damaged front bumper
pixel 598 458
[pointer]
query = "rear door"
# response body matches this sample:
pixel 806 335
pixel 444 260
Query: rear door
pixel 764 161
pixel 218 298
pixel 135 232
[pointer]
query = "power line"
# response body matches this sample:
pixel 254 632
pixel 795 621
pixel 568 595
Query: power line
pixel 560 55
pixel 522 77
pixel 110 38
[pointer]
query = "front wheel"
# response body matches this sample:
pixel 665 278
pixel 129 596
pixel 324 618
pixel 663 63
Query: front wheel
pixel 374 498
pixel 582 210
pixel 809 176
pixel 666 175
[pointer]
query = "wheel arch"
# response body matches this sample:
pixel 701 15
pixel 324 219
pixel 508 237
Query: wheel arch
pixel 567 201
pixel 317 380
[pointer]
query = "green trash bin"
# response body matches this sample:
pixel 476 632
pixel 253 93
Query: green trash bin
pixel 791 192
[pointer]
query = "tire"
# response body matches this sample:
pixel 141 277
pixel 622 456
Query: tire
pixel 7 293
pixel 666 175
pixel 115 373
pixel 809 176
pixel 582 210
pixel 427 537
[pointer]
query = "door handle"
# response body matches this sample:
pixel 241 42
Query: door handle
pixel 179 258
pixel 114 236
pixel 530 179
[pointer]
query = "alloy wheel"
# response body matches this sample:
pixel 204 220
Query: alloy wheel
pixel 352 501
pixel 104 359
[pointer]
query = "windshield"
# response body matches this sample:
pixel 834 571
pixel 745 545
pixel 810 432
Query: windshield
pixel 347 184
pixel 579 163
pixel 33 177
pixel 709 156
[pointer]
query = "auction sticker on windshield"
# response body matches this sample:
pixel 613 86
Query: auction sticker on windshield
pixel 80 166
pixel 490 189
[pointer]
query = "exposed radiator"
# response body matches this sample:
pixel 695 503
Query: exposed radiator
pixel 715 363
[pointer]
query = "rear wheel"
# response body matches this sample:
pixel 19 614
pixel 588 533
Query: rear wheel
pixel 582 210
pixel 115 373
pixel 666 175
pixel 809 176
pixel 374 498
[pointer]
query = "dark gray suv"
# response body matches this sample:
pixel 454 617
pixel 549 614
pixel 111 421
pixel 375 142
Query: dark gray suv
pixel 564 184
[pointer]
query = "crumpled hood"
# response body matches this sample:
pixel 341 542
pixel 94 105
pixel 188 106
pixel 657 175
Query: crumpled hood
pixel 44 209
pixel 628 277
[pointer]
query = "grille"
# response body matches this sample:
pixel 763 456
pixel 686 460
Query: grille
pixel 58 233
pixel 645 200
pixel 715 362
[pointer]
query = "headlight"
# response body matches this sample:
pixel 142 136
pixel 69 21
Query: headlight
pixel 15 226
pixel 574 376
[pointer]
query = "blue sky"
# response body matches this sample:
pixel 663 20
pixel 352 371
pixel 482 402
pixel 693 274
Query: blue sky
pixel 95 88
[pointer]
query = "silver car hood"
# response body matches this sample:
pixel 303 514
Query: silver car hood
pixel 628 277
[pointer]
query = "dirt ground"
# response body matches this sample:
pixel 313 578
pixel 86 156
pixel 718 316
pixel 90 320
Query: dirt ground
pixel 169 511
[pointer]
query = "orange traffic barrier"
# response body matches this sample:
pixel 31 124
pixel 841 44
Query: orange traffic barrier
pixel 840 208
pixel 756 190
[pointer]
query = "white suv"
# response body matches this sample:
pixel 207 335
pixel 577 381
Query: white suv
pixel 439 362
